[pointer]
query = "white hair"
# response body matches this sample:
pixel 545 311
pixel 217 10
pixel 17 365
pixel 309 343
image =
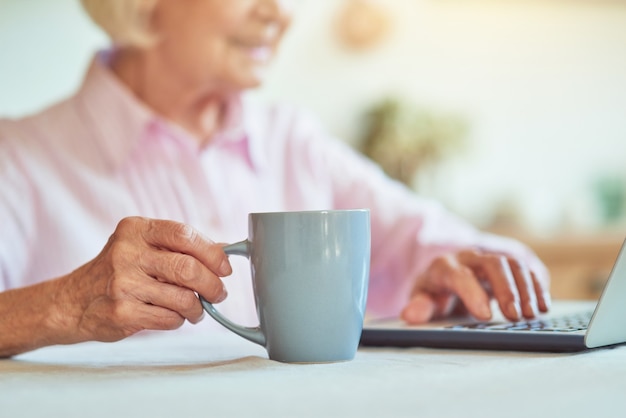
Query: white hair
pixel 127 22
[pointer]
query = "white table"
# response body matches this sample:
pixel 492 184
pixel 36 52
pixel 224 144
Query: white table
pixel 219 374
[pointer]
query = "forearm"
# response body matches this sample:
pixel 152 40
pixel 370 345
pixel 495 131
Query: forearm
pixel 30 318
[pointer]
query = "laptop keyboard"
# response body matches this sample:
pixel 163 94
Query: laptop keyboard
pixel 568 323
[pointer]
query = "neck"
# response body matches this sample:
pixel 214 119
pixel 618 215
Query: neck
pixel 200 110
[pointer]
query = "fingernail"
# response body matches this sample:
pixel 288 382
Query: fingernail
pixel 484 311
pixel 534 307
pixel 197 320
pixel 225 268
pixel 547 299
pixel 221 296
pixel 409 314
pixel 513 310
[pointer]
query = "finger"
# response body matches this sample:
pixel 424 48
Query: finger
pixel 154 317
pixel 525 288
pixel 448 276
pixel 543 295
pixel 138 288
pixel 420 309
pixel 469 290
pixel 495 269
pixel 178 237
pixel 115 320
pixel 174 298
pixel 424 307
pixel 185 271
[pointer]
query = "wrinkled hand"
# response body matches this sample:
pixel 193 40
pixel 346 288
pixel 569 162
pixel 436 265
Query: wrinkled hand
pixel 465 282
pixel 144 278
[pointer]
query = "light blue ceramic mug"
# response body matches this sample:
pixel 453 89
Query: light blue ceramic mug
pixel 310 273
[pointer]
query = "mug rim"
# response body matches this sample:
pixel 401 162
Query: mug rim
pixel 312 212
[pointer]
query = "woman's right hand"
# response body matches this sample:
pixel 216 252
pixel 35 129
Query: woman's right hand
pixel 146 277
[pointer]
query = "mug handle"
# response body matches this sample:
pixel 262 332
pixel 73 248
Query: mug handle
pixel 254 334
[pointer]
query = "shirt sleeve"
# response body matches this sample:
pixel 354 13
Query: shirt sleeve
pixel 408 231
pixel 16 216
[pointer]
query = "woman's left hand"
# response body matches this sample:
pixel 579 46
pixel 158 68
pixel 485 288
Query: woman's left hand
pixel 466 282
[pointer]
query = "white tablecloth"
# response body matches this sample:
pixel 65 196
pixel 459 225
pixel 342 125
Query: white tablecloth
pixel 220 374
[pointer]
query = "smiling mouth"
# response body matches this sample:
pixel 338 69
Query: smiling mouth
pixel 257 52
pixel 260 53
pixel 260 48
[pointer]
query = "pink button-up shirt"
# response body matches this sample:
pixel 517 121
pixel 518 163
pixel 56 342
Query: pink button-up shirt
pixel 70 173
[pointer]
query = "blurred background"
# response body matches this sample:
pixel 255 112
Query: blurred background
pixel 511 112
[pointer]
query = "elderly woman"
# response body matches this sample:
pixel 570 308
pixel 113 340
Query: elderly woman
pixel 109 198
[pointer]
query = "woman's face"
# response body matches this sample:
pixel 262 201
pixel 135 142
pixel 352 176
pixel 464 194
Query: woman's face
pixel 219 44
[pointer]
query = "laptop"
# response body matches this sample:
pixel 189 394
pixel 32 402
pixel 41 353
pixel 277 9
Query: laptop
pixel 570 326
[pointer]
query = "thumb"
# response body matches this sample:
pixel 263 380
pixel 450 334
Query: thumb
pixel 420 309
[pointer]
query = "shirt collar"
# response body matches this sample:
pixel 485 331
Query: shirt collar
pixel 118 116
pixel 122 120
pixel 239 132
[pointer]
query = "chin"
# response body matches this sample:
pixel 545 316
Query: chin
pixel 250 82
pixel 249 78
